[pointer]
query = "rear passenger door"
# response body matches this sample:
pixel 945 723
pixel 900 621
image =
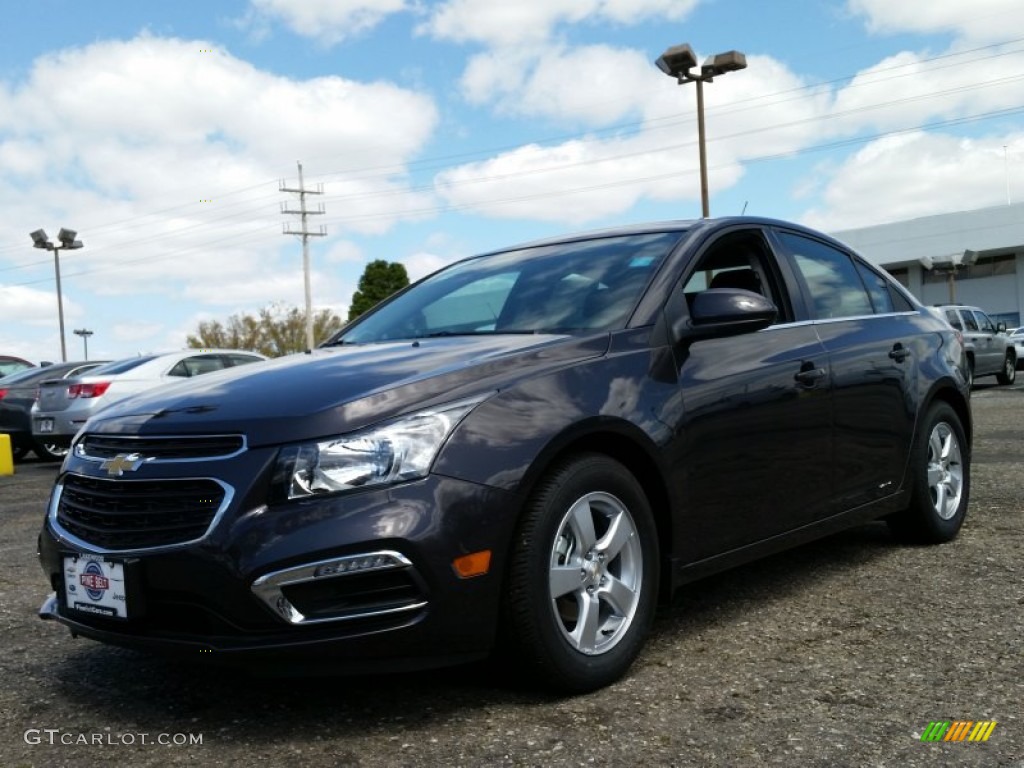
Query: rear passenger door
pixel 869 332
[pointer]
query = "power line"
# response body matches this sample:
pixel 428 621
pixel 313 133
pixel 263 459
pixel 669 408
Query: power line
pixel 245 210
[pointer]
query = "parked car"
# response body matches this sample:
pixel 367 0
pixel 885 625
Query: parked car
pixel 524 451
pixel 1016 337
pixel 64 406
pixel 18 393
pixel 989 351
pixel 10 364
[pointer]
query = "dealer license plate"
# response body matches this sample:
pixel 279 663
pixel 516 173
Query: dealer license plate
pixel 44 426
pixel 95 586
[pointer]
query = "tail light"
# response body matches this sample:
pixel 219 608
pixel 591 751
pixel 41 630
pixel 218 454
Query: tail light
pixel 88 390
pixel 3 392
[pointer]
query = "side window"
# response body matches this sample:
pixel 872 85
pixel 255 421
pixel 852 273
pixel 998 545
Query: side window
pixel 878 289
pixel 900 302
pixel 740 260
pixel 835 287
pixel 969 321
pixel 954 319
pixel 196 366
pixel 984 323
pixel 232 360
pixel 179 369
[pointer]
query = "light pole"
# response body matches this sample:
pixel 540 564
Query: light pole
pixel 677 62
pixel 950 267
pixel 85 333
pixel 68 243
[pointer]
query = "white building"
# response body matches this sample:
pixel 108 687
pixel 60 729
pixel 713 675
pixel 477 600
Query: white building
pixel 994 282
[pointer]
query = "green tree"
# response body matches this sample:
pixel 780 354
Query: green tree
pixel 275 330
pixel 380 279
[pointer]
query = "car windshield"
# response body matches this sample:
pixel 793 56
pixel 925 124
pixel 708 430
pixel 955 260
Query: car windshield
pixel 586 285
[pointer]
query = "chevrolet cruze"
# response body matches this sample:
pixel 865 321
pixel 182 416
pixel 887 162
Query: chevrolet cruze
pixel 520 453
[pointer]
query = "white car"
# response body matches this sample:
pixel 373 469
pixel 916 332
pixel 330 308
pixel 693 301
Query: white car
pixel 1017 337
pixel 64 405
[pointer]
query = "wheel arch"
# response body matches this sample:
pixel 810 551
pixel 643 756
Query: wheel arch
pixel 952 397
pixel 620 442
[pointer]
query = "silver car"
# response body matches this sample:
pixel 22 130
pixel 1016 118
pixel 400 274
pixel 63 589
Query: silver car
pixel 989 351
pixel 1016 336
pixel 65 405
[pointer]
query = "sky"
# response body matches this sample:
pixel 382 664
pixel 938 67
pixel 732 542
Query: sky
pixel 163 134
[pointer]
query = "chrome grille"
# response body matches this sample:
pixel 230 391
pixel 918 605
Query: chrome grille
pixel 166 448
pixel 137 514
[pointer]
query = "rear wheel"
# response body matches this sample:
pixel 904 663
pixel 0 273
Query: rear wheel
pixel 970 372
pixel 583 576
pixel 1009 372
pixel 940 481
pixel 49 451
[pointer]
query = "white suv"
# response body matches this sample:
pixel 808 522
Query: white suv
pixel 989 351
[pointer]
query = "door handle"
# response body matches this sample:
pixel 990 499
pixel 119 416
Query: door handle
pixel 808 375
pixel 899 353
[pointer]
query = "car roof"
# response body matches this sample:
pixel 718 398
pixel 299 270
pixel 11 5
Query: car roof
pixel 682 226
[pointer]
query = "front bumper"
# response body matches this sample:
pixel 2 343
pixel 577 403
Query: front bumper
pixel 303 584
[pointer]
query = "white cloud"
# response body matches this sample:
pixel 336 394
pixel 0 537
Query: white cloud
pixel 423 263
pixel 979 21
pixel 155 125
pixel 584 180
pixel 907 90
pixel 28 305
pixel 503 24
pixel 594 85
pixel 329 21
pixel 903 177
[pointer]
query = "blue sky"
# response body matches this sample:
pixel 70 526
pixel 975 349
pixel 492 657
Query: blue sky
pixel 161 133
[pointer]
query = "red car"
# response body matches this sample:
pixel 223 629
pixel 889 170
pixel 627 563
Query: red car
pixel 10 364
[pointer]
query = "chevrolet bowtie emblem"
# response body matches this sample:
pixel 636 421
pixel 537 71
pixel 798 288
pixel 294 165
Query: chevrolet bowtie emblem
pixel 123 462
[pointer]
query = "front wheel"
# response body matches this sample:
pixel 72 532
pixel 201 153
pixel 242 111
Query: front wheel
pixel 940 480
pixel 583 576
pixel 1009 372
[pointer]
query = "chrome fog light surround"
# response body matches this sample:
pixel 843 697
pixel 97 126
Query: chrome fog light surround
pixel 268 587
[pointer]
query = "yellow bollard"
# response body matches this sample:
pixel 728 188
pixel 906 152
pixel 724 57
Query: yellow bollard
pixel 6 457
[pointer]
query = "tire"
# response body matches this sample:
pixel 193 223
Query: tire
pixel 583 576
pixel 1009 372
pixel 940 481
pixel 970 372
pixel 49 451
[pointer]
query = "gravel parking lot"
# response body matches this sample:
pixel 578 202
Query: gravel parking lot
pixel 837 654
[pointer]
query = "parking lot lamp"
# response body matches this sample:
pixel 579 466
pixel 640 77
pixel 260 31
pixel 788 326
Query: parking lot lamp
pixel 677 62
pixel 68 243
pixel 85 333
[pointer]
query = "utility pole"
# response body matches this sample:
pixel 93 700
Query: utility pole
pixel 305 234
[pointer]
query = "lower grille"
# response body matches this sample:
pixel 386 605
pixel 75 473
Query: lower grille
pixel 137 514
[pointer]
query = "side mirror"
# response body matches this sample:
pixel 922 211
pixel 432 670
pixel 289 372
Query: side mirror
pixel 720 312
pixel 1000 327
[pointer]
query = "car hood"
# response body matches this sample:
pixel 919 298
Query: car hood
pixel 338 389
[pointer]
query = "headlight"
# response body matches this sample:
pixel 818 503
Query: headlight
pixel 389 453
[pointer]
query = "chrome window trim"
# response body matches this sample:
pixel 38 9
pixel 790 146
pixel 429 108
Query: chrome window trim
pixel 65 538
pixel 826 320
